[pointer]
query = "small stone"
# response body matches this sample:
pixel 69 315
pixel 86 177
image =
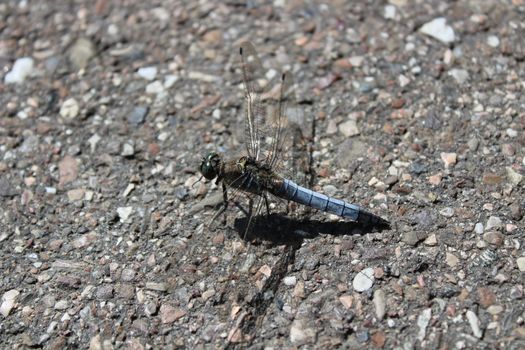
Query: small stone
pixel 449 159
pixel 61 305
pixel 8 301
pixel 494 238
pixel 150 308
pixel 124 213
pixel 93 140
pixel 403 80
pixel 76 194
pixel 435 179
pixel 473 144
pixel 67 170
pixel 81 52
pixel 349 128
pixel 208 294
pixel 218 239
pixel 104 292
pixel 389 12
pixel 438 29
pixel 300 334
pixel 493 222
pixel 127 275
pixel 22 68
pixel 158 286
pixel 346 300
pixel 521 263
pixel 148 73
pixel 138 115
pixel 515 178
pixel 493 41
pixel 422 322
pixel 379 303
pixel 516 213
pixel 511 133
pixel 155 88
pixel 478 228
pixel 451 260
pixel 290 280
pixel 486 297
pixel 410 238
pixel 364 280
pixel 431 240
pixel 298 290
pixel 474 323
pixel 69 108
pixel 378 339
pixel 356 61
pixel 495 309
pixel 508 149
pixel 127 150
pixel 169 314
pixel 447 212
pixel 459 75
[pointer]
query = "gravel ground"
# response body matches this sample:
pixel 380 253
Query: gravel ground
pixel 417 113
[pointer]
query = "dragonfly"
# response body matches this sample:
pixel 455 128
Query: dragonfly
pixel 267 135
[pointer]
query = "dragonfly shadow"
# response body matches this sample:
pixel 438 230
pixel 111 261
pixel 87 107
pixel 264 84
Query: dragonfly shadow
pixel 282 229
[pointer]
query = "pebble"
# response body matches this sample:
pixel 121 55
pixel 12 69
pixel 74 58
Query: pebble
pixel 67 170
pixel 158 286
pixel 474 323
pixel 76 194
pixel 349 128
pixel 155 88
pixel 473 144
pixel 300 334
pixel 124 213
pixel 494 238
pixel 69 109
pixel 478 228
pixel 493 222
pixel 379 301
pixel 451 260
pixel 8 301
pixel 61 305
pixel 493 41
pixel 81 52
pixel 431 240
pixel 511 133
pixel 422 322
pixel 438 29
pixel 290 280
pixel 104 292
pixel 521 263
pixel 93 141
pixel 138 115
pixel 447 212
pixel 514 177
pixel 127 150
pixel 390 12
pixel 148 73
pixel 346 300
pixel 169 314
pixel 449 159
pixel 410 238
pixel 459 75
pixel 364 280
pixel 22 68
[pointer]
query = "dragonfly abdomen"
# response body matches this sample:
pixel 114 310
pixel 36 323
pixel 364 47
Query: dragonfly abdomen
pixel 291 191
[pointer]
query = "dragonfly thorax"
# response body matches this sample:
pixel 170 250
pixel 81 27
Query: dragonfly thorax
pixel 210 165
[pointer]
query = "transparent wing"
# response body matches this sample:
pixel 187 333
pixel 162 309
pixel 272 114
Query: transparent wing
pixel 255 113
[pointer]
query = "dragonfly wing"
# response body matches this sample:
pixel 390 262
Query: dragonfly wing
pixel 252 72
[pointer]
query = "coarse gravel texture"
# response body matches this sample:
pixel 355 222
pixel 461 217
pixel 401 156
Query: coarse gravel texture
pixel 417 113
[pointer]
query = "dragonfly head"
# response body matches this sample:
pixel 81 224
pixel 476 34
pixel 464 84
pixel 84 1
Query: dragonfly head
pixel 210 165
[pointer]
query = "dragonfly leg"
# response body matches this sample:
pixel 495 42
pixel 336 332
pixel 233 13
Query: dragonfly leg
pixel 266 203
pixel 223 206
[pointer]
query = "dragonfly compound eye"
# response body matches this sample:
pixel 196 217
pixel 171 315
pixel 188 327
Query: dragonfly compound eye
pixel 208 166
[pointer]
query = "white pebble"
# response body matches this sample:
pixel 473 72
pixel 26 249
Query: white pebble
pixel 22 68
pixel 148 73
pixel 364 280
pixel 438 29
